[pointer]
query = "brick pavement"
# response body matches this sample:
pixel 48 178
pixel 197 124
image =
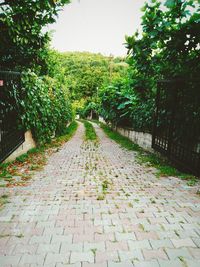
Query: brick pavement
pixel 139 220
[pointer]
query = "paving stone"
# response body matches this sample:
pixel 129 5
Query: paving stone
pixel 125 236
pixel 187 242
pixel 196 241
pixel 52 258
pixel 187 234
pixel 69 265
pixel 40 239
pixel 193 263
pixel 61 238
pixel 178 252
pixel 8 250
pixel 100 246
pixel 104 237
pixel 150 254
pixel 113 246
pixel 49 265
pixel 32 259
pixel 113 228
pixel 146 235
pixel 54 248
pixel 139 244
pixel 164 243
pixel 131 255
pixel 152 263
pixel 23 249
pixel 106 256
pixel 120 264
pixel 6 260
pixel 195 252
pixel 66 247
pixel 53 231
pixel 82 256
pixel 170 263
pixel 81 238
pixel 102 264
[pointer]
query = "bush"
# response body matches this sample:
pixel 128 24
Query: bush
pixel 124 106
pixel 44 106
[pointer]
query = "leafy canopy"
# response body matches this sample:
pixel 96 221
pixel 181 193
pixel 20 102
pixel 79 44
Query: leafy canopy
pixel 23 38
pixel 167 47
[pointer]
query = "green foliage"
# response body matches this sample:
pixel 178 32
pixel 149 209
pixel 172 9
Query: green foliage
pixel 167 47
pixel 123 106
pixel 115 99
pixel 43 100
pixel 90 109
pixel 22 158
pixel 45 108
pixel 90 133
pixel 104 186
pixel 169 44
pixel 3 200
pixel 85 73
pixel 23 37
pixel 101 197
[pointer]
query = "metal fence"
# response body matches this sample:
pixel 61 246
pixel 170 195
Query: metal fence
pixel 11 137
pixel 177 123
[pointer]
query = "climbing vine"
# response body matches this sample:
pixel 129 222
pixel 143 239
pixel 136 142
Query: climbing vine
pixel 45 107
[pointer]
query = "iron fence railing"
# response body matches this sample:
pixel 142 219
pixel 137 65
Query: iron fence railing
pixel 11 137
pixel 176 130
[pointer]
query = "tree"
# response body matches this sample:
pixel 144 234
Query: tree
pixel 169 44
pixel 84 72
pixel 43 101
pixel 23 42
pixel 167 47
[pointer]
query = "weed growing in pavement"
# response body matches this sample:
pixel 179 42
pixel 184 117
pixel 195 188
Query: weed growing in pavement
pixel 3 200
pixel 104 185
pixel 94 251
pixel 101 197
pixel 198 192
pixel 90 133
pixel 182 259
pixel 116 206
pixel 141 226
pixel 130 205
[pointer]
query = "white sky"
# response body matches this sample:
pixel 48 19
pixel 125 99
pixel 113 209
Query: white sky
pixel 96 25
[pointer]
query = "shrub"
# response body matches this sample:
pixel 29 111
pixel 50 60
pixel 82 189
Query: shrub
pixel 44 106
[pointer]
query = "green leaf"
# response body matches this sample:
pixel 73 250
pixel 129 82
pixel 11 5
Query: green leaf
pixel 170 3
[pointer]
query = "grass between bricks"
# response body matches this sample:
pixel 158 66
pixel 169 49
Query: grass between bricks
pixel 25 165
pixel 90 133
pixel 163 166
pixel 3 200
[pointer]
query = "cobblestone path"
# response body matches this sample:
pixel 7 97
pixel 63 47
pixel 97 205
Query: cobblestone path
pixel 93 205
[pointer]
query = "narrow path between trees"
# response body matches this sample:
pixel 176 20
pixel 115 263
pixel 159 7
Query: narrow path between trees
pixel 94 205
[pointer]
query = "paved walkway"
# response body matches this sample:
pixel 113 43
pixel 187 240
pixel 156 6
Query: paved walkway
pixel 93 205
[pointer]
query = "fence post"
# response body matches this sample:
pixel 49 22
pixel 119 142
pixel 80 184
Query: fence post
pixel 174 92
pixel 155 115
